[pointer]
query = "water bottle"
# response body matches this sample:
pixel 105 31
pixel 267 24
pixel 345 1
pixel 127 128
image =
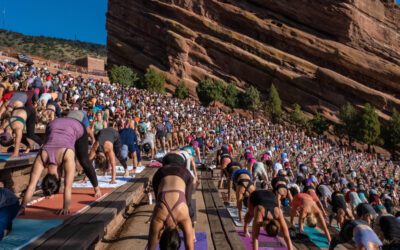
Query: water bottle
pixel 150 198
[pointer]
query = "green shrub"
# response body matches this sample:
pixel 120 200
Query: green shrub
pixel 318 124
pixel 231 96
pixel 250 99
pixel 181 91
pixel 297 116
pixel 154 81
pixel 274 104
pixel 122 75
pixel 348 115
pixel 392 132
pixel 209 91
pixel 369 126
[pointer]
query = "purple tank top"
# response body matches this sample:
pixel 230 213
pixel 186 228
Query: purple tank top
pixel 63 133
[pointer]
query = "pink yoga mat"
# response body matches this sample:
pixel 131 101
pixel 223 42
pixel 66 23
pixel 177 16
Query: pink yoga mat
pixel 264 242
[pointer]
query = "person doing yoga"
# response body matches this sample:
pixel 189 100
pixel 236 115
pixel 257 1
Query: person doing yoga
pixel 172 185
pixel 263 208
pixel 58 156
pixel 16 123
pixel 106 149
pixel 243 186
pixel 308 210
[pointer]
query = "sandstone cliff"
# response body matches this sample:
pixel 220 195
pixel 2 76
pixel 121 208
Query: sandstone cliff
pixel 319 53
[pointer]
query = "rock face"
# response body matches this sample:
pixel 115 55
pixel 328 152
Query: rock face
pixel 318 53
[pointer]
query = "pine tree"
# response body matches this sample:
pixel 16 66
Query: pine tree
pixel 231 96
pixel 393 132
pixel 297 116
pixel 348 115
pixel 319 124
pixel 251 99
pixel 370 126
pixel 274 104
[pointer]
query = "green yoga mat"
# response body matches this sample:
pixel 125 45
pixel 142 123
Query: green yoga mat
pixel 26 231
pixel 316 237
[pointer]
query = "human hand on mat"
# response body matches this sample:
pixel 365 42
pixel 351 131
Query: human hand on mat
pixel 64 211
pixel 113 182
pixel 247 234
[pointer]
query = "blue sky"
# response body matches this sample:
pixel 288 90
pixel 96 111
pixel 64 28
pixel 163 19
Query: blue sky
pixel 85 19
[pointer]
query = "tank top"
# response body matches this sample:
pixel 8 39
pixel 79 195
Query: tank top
pixel 63 133
pixel 98 125
pixel 264 198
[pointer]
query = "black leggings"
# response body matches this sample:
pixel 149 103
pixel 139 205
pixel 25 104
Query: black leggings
pixel 30 128
pixel 82 153
pixel 117 146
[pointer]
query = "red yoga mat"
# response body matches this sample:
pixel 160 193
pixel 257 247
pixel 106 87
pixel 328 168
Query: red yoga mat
pixel 46 209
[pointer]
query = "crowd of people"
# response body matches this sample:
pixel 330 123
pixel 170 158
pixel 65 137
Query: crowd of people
pixel 276 171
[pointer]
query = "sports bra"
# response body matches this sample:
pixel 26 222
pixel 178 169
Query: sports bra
pixel 181 199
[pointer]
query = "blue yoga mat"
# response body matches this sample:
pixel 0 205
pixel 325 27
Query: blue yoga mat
pixel 200 244
pixel 7 156
pixel 4 157
pixel 318 238
pixel 26 230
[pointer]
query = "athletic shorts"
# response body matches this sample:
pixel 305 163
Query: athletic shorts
pixel 259 170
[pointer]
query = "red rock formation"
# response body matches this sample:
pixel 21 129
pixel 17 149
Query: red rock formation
pixel 319 53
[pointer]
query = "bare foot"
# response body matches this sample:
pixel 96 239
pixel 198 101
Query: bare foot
pixel 126 174
pixel 97 192
pixel 113 182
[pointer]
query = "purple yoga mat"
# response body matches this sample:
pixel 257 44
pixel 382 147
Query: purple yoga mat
pixel 200 244
pixel 264 242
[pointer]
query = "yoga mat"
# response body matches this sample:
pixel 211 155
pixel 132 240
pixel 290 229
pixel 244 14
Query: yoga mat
pixel 7 156
pixel 160 155
pixel 46 208
pixel 200 244
pixel 104 182
pixel 264 242
pixel 4 157
pixel 121 170
pixel 311 235
pixel 25 231
pixel 233 211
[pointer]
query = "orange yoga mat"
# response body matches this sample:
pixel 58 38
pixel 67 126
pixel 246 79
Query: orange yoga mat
pixel 46 209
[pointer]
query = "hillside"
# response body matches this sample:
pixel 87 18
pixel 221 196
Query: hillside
pixel 319 54
pixel 50 48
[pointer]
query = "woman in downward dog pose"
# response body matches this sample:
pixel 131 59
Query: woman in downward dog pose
pixel 244 186
pixel 173 188
pixel 58 156
pixel 263 208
